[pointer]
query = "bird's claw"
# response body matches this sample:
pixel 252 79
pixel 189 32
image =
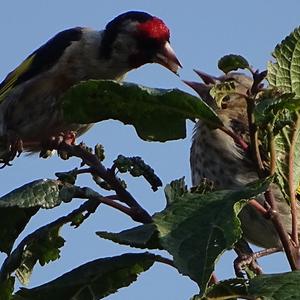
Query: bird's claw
pixel 54 143
pixel 246 261
pixel 14 148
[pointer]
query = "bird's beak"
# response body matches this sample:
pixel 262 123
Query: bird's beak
pixel 167 58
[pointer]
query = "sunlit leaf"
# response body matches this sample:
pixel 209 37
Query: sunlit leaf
pixel 197 228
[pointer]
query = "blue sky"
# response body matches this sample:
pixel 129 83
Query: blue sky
pixel 201 32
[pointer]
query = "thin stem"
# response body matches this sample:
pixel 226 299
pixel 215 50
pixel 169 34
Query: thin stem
pixel 237 139
pixel 271 142
pixel 83 171
pixel 290 250
pixel 292 190
pixel 253 132
pixel 87 193
pixel 254 203
pixel 213 279
pixel 266 252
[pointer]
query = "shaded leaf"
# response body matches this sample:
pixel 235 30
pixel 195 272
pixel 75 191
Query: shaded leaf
pixel 137 167
pixel 226 289
pixel 7 288
pixel 18 206
pixel 197 228
pixel 284 286
pixel 94 280
pixel 143 236
pixel 232 62
pixel 276 286
pixel 67 177
pixel 174 189
pixel 43 249
pixel 271 107
pixel 156 114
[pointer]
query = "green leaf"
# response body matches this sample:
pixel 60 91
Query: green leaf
pixel 222 92
pixel 284 286
pixel 174 189
pixel 156 114
pixel 232 62
pixel 43 249
pixel 137 167
pixel 143 236
pixel 197 228
pixel 287 145
pixel 18 206
pixel 7 288
pixel 273 107
pixel 94 280
pixel 226 289
pixel 67 177
pixel 280 112
pixel 284 73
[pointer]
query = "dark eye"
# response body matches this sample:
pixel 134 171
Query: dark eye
pixel 148 43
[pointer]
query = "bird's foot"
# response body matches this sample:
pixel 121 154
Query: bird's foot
pixel 249 261
pixel 12 147
pixel 54 142
pixel 244 262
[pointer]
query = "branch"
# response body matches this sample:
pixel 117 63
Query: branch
pixel 88 193
pixel 97 168
pixel 254 203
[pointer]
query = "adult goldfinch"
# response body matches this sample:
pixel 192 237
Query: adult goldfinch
pixel 30 95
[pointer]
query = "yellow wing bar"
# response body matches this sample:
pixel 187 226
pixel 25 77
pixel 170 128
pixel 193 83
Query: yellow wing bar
pixel 11 79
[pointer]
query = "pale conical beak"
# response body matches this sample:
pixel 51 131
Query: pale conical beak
pixel 167 58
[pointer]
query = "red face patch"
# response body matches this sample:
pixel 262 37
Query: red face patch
pixel 155 29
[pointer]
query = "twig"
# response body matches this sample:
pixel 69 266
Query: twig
pixel 237 139
pixel 96 167
pixel 266 252
pixel 82 171
pixel 88 193
pixel 290 250
pixel 254 203
pixel 213 279
pixel 271 143
pixel 253 132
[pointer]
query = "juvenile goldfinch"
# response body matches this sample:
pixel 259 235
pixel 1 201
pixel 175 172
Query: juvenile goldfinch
pixel 30 95
pixel 216 157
